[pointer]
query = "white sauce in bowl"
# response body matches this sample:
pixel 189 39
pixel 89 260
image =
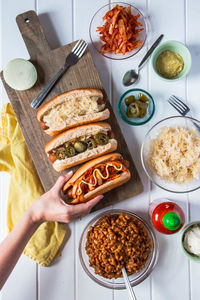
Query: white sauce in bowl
pixel 191 240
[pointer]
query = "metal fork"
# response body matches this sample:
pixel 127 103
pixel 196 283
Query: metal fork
pixel 181 107
pixel 73 57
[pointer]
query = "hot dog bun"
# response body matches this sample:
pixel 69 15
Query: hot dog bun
pixel 55 127
pixel 105 187
pixel 75 133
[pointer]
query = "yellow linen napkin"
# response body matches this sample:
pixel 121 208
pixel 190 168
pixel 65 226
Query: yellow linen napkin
pixel 25 187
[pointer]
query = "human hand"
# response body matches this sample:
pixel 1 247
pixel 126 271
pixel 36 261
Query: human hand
pixel 51 207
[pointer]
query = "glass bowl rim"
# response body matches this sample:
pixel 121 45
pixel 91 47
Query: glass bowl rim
pixel 141 154
pixel 122 116
pixel 126 4
pixel 151 265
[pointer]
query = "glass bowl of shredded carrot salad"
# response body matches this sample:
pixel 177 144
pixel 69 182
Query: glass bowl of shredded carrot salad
pixel 118 30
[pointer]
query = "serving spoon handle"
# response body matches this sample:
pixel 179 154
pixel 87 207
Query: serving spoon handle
pixel 150 50
pixel 128 285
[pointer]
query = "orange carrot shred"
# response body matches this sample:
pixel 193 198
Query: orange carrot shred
pixel 120 30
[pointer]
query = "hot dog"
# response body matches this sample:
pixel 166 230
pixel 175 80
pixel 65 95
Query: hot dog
pixel 96 177
pixel 80 144
pixel 71 109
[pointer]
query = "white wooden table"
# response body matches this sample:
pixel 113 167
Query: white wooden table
pixel 64 21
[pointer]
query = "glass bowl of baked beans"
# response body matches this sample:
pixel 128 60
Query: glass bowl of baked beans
pixel 115 239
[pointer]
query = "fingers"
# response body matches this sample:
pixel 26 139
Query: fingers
pixel 69 213
pixel 83 209
pixel 61 181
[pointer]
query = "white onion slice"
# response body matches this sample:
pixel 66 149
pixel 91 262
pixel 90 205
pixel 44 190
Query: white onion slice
pixel 20 74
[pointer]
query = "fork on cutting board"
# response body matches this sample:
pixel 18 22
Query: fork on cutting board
pixel 181 107
pixel 73 57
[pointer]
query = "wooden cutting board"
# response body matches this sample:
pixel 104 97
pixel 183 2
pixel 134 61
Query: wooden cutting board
pixel 82 75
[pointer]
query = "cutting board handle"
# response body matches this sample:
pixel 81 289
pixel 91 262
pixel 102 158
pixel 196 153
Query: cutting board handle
pixel 32 33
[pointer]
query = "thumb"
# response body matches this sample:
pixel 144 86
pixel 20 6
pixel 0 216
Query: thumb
pixel 94 201
pixel 61 181
pixel 84 208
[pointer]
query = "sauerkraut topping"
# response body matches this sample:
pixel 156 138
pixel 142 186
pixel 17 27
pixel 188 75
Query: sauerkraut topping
pixel 70 111
pixel 175 154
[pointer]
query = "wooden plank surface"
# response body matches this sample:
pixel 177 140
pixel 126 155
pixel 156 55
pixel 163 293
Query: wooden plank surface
pixel 22 281
pixel 169 273
pixel 82 75
pixel 18 286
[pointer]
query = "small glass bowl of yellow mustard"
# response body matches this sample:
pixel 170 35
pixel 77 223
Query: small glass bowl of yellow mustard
pixel 136 107
pixel 171 60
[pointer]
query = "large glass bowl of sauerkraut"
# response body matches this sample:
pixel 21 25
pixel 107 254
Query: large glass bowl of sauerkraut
pixel 170 154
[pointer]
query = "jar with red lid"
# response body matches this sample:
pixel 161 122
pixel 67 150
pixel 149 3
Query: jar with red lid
pixel 167 216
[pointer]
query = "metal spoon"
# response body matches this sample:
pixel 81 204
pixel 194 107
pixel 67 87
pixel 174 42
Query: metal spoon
pixel 128 285
pixel 132 76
